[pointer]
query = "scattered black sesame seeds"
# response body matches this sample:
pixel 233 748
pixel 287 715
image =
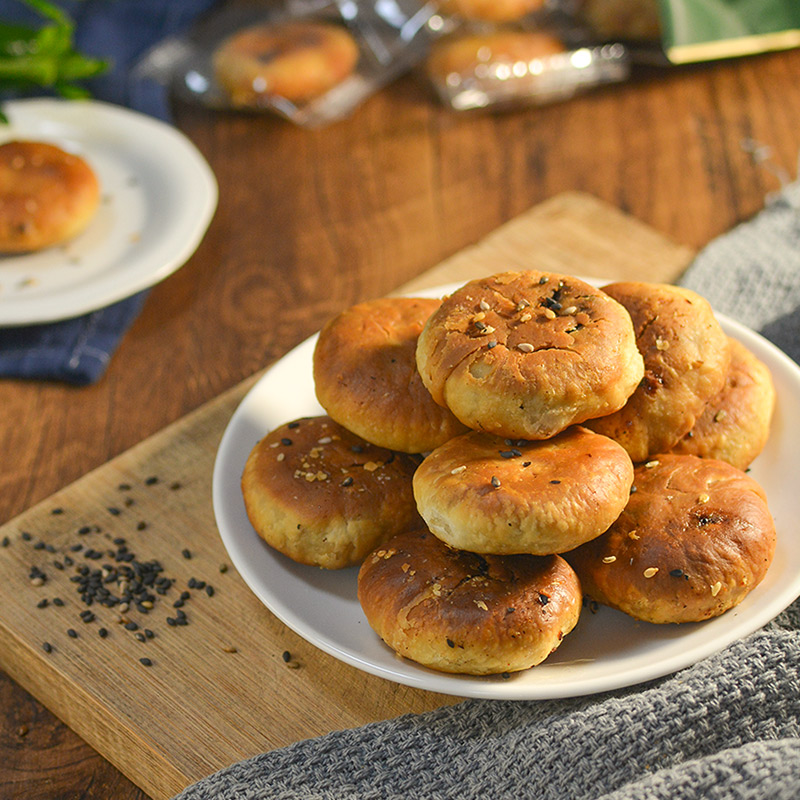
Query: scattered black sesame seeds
pixel 495 481
pixel 47 647
pixel 146 662
pixel 286 656
pixel 186 553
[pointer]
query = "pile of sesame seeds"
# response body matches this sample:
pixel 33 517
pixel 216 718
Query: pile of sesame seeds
pixel 111 590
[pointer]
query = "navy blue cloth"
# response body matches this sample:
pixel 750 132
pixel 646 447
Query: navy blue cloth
pixel 78 350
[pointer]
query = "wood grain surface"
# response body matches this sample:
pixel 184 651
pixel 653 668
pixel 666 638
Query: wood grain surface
pixel 310 222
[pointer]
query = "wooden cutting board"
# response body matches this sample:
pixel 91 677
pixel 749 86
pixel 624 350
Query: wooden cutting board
pixel 218 689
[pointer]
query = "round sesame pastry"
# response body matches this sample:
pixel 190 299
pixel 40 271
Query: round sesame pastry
pixel 323 496
pixel 686 357
pixel 47 196
pixel 485 494
pixel 463 54
pixel 460 612
pixel 366 378
pixel 490 10
pixel 527 354
pixel 734 426
pixel 695 538
pixel 297 61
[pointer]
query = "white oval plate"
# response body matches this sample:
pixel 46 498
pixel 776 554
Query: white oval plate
pixel 158 198
pixel 607 650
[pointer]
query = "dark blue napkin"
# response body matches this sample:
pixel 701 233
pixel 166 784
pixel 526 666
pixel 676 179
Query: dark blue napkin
pixel 78 350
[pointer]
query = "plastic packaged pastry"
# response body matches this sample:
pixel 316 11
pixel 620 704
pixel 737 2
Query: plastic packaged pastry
pixel 310 61
pixel 503 66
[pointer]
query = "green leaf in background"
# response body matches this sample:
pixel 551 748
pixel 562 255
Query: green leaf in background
pixel 33 59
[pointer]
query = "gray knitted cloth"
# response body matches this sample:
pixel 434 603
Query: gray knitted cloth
pixel 727 728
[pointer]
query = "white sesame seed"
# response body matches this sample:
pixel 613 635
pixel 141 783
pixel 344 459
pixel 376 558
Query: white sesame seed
pixel 457 470
pixel 571 310
pixel 526 317
pixel 704 498
pixel 609 559
pixel 484 305
pixel 651 464
pixel 525 347
pixel 716 588
pixel 549 313
pixel 650 571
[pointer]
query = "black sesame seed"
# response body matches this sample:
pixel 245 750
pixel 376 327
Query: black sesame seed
pixel 357 448
pixel 26 536
pixel 676 573
pixel 43 603
pixel 509 453
pixel 72 633
pixel 57 601
pixel 146 662
pixel 47 647
pixel 151 480
pixel 633 490
pixel 171 621
pixel 140 637
pixel 491 345
pixel 141 525
pixel 5 542
pixel 543 599
pixel 542 280
pixel 148 633
pixel 186 553
pixel 450 643
pixel 286 441
pixel 57 511
pixel 526 463
pixel 286 656
pixel 102 633
pixel 114 511
pixel 292 425
pixel 124 487
pixel 495 481
pixel 348 481
pixel 210 591
pixel 175 485
pixel 555 481
pixel 505 676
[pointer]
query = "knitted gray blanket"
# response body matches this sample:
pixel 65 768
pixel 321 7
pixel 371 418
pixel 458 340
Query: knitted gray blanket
pixel 727 728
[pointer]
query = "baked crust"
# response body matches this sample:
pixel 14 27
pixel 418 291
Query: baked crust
pixel 489 495
pixel 47 196
pixel 297 61
pixel 527 354
pixel 686 358
pixel 695 538
pixel 462 53
pixel 366 378
pixel 734 425
pixel 460 612
pixel 323 496
pixel 490 10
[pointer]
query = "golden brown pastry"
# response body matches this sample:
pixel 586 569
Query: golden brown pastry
pixel 527 354
pixel 323 496
pixel 459 612
pixel 695 538
pixel 365 375
pixel 490 10
pixel 297 61
pixel 462 54
pixel 47 196
pixel 734 426
pixel 482 493
pixel 686 358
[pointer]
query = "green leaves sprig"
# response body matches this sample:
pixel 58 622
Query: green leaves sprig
pixel 44 57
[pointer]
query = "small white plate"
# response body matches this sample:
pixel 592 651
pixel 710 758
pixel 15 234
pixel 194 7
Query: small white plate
pixel 607 650
pixel 158 198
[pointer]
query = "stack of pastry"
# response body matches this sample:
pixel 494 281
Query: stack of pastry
pixel 491 458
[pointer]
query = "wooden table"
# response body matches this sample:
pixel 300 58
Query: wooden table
pixel 311 222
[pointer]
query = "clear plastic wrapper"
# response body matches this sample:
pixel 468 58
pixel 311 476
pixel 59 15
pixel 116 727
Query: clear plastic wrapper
pixel 502 67
pixel 310 61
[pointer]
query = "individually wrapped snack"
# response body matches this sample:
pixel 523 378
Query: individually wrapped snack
pixel 312 61
pixel 508 66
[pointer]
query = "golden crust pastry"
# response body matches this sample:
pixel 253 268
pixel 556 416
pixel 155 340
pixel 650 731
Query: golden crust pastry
pixel 323 496
pixel 686 358
pixel 527 354
pixel 366 377
pixel 459 612
pixel 695 538
pixel 481 493
pixel 47 196
pixel 462 53
pixel 490 10
pixel 734 426
pixel 297 61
